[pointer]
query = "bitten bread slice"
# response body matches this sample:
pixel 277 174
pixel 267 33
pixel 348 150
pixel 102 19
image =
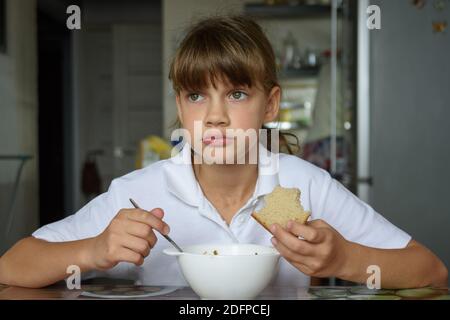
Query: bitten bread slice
pixel 281 205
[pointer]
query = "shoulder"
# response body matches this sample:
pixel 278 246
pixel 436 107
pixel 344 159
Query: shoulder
pixel 293 168
pixel 151 175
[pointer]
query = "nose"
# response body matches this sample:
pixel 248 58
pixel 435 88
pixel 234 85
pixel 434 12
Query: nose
pixel 217 115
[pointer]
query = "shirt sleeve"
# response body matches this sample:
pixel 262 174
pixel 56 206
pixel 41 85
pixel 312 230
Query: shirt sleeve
pixel 355 220
pixel 88 222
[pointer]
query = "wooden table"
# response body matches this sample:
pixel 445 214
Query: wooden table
pixel 60 292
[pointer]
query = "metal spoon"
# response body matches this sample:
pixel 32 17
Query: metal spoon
pixel 165 236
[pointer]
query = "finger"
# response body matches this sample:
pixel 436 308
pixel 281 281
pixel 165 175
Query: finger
pixel 141 230
pixel 319 223
pixel 291 241
pixel 309 233
pixel 136 244
pixel 127 255
pixel 303 263
pixel 287 253
pixel 157 212
pixel 149 219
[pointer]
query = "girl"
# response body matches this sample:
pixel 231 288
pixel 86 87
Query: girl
pixel 224 76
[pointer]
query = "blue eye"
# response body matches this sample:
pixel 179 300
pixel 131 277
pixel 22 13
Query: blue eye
pixel 238 95
pixel 195 97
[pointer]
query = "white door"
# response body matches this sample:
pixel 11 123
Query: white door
pixel 119 90
pixel 137 90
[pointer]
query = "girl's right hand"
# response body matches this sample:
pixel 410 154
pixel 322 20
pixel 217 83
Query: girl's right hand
pixel 128 238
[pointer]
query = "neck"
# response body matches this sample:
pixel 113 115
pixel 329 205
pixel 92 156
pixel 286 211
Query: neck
pixel 232 183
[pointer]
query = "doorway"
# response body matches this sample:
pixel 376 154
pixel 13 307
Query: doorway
pixel 53 68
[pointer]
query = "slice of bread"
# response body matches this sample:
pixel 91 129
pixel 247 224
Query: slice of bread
pixel 281 205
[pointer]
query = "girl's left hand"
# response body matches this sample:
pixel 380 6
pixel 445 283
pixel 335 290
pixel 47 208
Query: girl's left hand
pixel 322 253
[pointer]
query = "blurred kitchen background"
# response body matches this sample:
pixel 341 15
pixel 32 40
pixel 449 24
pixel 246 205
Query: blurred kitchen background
pixel 81 107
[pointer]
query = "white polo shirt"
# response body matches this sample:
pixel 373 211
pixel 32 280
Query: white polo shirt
pixel 171 185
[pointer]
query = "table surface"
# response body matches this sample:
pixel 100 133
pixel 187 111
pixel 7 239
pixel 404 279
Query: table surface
pixel 61 292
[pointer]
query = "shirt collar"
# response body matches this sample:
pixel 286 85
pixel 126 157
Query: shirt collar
pixel 182 183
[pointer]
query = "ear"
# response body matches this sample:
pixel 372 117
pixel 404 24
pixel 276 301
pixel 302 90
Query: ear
pixel 178 101
pixel 273 105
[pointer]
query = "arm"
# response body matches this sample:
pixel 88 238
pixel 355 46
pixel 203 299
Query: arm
pixel 325 253
pixel 412 267
pixel 37 263
pixel 128 238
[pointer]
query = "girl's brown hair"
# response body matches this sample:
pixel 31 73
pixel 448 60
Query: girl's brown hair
pixel 230 48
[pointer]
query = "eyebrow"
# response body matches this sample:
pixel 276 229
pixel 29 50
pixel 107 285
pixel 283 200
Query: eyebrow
pixel 226 88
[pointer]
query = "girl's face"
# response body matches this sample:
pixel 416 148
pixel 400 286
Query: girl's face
pixel 213 116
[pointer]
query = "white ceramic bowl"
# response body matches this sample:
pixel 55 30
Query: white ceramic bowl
pixel 234 271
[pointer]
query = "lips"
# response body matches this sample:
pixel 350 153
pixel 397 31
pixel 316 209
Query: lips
pixel 217 140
